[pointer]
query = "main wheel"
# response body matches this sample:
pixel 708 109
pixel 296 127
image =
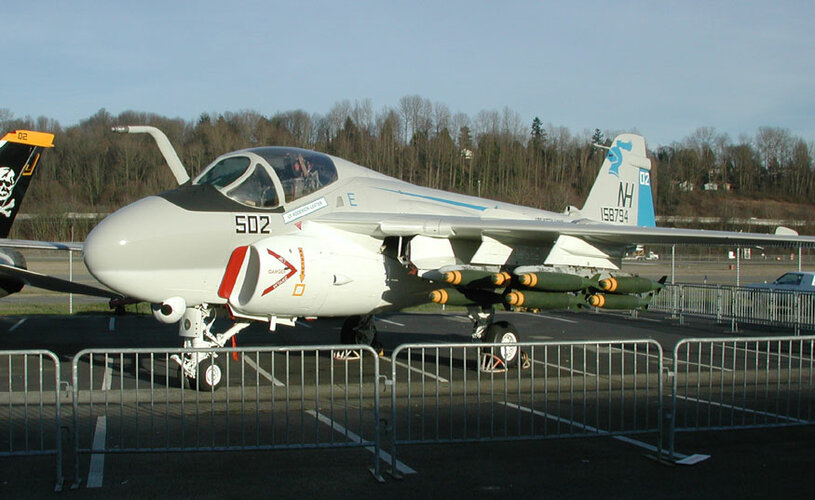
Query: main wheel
pixel 360 330
pixel 347 334
pixel 503 332
pixel 210 373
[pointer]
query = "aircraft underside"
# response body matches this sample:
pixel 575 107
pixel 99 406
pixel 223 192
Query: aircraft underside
pixel 297 276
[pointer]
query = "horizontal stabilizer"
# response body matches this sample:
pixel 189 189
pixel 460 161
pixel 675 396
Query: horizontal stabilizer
pixel 38 280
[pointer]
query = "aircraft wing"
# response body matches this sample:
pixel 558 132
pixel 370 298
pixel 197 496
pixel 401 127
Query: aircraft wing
pixel 41 245
pixel 52 283
pixel 511 231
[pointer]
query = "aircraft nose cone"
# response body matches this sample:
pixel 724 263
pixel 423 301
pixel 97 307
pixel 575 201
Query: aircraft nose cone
pixel 123 246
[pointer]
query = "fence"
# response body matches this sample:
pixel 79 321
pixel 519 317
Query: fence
pixel 742 383
pixel 31 424
pixel 461 392
pixel 134 400
pixel 736 305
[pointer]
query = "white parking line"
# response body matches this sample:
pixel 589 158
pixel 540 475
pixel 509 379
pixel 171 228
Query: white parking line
pixel 107 377
pixel 538 338
pixel 17 325
pixel 386 457
pixel 652 320
pixel 691 363
pixel 559 319
pixel 768 355
pixel 464 319
pixel 544 316
pixel 389 322
pixel 666 361
pixel 564 368
pixel 96 471
pixel 684 459
pixel 414 369
pixel 112 324
pixel 641 352
pixel 741 408
pixel 303 324
pixel 267 375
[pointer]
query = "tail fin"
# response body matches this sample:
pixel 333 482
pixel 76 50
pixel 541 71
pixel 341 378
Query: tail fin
pixel 622 192
pixel 19 153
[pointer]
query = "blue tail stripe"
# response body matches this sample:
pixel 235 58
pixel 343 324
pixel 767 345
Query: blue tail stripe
pixel 645 201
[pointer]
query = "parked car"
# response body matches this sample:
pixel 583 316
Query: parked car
pixel 800 281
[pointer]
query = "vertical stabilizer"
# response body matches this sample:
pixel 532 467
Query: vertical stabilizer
pixel 19 154
pixel 621 195
pixel 622 192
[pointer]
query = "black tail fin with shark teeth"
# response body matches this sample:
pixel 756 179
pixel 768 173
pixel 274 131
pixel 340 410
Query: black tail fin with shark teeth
pixel 19 154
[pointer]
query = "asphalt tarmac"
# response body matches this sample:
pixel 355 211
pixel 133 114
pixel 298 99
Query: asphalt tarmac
pixel 747 463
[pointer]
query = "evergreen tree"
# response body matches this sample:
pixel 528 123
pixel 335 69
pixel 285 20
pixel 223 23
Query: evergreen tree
pixel 538 134
pixel 597 137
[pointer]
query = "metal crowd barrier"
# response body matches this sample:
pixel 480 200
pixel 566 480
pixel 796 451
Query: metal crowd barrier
pixel 133 400
pixel 31 423
pixel 462 392
pixel 737 305
pixel 731 383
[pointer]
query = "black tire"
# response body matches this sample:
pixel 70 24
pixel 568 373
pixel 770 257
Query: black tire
pixel 347 334
pixel 359 330
pixel 504 332
pixel 210 374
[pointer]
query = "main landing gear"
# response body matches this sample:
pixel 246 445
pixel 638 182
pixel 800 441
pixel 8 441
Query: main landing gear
pixel 358 330
pixel 485 329
pixel 202 370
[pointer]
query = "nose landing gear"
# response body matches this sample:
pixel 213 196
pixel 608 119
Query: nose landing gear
pixel 202 370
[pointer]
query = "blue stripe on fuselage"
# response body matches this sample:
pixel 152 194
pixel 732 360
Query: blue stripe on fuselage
pixel 434 198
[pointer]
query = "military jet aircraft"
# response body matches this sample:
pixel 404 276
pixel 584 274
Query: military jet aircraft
pixel 273 234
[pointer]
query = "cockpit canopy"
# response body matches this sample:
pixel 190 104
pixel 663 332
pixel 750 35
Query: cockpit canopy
pixel 268 177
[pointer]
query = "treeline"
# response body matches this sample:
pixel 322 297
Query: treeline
pixel 494 154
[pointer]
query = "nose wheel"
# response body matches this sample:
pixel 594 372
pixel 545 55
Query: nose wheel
pixel 204 371
pixel 201 371
pixel 210 373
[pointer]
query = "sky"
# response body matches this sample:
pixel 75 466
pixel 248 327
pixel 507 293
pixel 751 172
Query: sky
pixel 662 69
